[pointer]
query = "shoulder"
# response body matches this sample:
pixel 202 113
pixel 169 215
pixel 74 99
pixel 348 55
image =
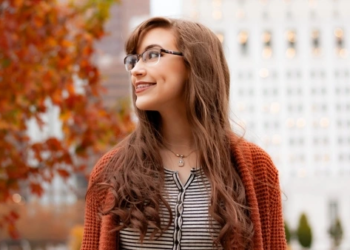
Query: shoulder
pixel 255 158
pixel 261 158
pixel 95 196
pixel 262 164
pixel 101 164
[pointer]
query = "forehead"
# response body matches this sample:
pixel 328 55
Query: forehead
pixel 162 37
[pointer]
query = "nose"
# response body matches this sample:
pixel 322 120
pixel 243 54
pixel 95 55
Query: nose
pixel 139 69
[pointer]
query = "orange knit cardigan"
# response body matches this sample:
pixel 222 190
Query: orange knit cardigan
pixel 259 176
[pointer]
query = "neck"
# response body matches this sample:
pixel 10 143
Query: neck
pixel 177 132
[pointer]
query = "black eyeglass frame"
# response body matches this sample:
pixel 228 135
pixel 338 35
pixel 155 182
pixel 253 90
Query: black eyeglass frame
pixel 138 56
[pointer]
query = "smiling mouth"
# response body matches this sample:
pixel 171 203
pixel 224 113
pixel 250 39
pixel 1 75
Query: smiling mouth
pixel 143 86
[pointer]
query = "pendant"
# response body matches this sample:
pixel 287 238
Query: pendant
pixel 181 161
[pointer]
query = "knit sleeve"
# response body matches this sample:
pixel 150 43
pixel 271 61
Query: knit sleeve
pixel 277 234
pixel 94 199
pixel 269 198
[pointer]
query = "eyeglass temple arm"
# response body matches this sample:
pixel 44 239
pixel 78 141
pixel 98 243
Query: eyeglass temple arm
pixel 171 52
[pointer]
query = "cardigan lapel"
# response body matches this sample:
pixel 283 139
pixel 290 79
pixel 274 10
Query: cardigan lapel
pixel 108 240
pixel 244 164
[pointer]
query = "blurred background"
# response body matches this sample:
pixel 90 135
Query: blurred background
pixel 290 94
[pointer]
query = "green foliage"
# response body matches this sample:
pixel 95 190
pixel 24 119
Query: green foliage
pixel 304 232
pixel 287 232
pixel 336 232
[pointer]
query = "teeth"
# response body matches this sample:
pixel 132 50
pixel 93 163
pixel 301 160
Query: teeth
pixel 143 86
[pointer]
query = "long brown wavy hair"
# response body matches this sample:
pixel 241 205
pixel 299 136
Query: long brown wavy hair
pixel 135 173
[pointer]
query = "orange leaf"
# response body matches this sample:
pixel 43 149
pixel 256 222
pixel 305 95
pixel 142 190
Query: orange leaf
pixel 66 43
pixel 12 231
pixel 63 173
pixel 65 115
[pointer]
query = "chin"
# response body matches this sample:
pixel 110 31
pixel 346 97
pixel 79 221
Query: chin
pixel 146 106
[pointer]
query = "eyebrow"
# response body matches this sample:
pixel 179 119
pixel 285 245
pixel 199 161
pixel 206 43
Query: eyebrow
pixel 152 46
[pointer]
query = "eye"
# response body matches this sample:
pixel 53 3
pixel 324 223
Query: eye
pixel 131 59
pixel 152 54
pixel 130 62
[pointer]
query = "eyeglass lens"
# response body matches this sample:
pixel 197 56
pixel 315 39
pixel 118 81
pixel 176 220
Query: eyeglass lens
pixel 150 56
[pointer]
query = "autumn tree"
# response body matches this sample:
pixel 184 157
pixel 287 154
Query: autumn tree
pixel 46 50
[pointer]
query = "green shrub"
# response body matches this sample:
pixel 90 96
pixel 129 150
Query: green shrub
pixel 336 232
pixel 287 232
pixel 304 232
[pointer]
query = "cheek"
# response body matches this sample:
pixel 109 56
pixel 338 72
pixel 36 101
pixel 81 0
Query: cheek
pixel 174 83
pixel 178 76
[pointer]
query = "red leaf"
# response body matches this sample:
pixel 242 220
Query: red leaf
pixel 14 215
pixel 36 188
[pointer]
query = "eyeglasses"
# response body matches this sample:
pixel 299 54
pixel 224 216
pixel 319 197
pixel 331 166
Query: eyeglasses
pixel 150 57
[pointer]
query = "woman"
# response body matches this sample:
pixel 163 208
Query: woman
pixel 182 179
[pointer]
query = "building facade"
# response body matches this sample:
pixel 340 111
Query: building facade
pixel 290 93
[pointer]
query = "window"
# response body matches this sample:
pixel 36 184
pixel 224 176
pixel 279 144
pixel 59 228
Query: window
pixel 194 14
pixel 315 40
pixel 312 14
pixel 264 73
pixel 324 122
pixel 240 14
pixel 265 15
pixel 217 3
pixel 274 107
pixel 290 122
pixel 217 14
pixel 339 42
pixel 340 124
pixel 312 74
pixel 298 74
pixel 301 123
pixel 250 75
pixel 267 49
pixel 291 44
pixel 220 36
pixel 276 139
pixel 243 42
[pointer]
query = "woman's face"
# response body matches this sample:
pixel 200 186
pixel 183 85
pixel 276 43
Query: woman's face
pixel 159 87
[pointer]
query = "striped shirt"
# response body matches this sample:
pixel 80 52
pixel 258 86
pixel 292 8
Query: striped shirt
pixel 190 228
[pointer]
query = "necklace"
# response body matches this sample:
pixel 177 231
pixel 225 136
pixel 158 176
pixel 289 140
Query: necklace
pixel 181 160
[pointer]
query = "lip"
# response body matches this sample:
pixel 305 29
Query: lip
pixel 138 90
